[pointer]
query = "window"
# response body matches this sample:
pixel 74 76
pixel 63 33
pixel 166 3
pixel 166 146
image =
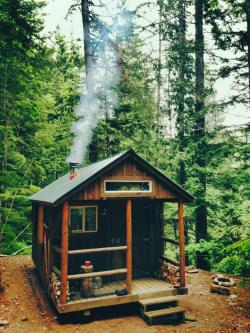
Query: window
pixel 83 219
pixel 128 186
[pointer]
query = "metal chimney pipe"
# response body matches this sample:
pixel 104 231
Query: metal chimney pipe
pixel 72 170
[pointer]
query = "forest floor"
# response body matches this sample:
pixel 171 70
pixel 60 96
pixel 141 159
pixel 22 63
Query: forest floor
pixel 27 310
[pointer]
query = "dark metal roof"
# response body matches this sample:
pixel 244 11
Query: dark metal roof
pixel 54 193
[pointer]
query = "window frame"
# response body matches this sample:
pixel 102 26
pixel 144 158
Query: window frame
pixel 83 231
pixel 128 181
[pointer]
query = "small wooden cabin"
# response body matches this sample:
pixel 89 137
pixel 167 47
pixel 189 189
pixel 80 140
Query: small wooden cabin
pixel 111 214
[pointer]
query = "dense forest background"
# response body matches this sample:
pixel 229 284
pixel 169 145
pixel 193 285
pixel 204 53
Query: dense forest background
pixel 165 109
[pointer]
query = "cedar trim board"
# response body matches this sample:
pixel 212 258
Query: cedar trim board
pixel 114 161
pixel 110 300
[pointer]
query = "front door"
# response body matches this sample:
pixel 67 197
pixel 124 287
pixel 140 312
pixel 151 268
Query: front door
pixel 142 236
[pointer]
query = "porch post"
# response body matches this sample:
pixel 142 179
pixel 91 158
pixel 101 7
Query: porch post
pixel 129 245
pixel 64 252
pixel 181 247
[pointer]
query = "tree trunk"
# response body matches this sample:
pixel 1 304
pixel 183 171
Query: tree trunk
pixel 248 44
pixel 159 65
pixel 199 128
pixel 181 77
pixel 88 54
pixel 5 119
pixel 181 72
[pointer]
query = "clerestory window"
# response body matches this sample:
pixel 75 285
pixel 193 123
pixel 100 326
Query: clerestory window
pixel 127 186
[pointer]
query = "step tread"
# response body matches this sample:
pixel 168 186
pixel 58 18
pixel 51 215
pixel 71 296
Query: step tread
pixel 164 312
pixel 158 300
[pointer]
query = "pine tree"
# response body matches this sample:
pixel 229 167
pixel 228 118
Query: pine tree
pixel 231 34
pixel 200 131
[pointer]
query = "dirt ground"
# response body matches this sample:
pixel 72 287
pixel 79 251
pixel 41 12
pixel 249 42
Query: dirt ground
pixel 24 305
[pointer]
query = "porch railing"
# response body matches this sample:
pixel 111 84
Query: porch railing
pixel 92 274
pixel 94 250
pixel 174 242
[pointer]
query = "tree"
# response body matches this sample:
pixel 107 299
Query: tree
pixel 200 131
pixel 88 52
pixel 132 122
pixel 38 92
pixel 230 22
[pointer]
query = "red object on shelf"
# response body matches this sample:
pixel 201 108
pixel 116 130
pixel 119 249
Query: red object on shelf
pixel 87 263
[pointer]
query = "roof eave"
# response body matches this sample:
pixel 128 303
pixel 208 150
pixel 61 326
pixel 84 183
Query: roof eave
pixel 186 196
pixel 90 179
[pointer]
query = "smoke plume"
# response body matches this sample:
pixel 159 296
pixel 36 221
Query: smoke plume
pixel 103 77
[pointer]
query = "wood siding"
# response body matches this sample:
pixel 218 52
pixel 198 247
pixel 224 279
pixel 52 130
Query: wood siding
pixel 127 170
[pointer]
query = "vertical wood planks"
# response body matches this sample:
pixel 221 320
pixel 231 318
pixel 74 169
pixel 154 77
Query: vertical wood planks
pixel 129 245
pixel 64 253
pixel 181 244
pixel 40 238
pixel 40 228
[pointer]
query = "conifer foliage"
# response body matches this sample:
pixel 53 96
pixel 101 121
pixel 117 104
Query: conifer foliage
pixel 165 109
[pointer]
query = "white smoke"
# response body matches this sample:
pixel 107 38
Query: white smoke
pixel 103 77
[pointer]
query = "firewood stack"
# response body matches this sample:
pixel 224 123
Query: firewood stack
pixel 169 272
pixel 55 287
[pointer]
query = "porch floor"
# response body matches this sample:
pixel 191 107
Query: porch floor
pixel 141 289
pixel 139 286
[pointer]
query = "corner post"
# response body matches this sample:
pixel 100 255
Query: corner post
pixel 129 245
pixel 182 289
pixel 64 252
pixel 40 235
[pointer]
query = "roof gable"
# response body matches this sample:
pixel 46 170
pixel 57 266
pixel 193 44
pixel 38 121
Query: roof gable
pixel 63 188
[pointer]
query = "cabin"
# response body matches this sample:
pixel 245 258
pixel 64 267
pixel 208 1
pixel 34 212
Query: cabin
pixel 98 234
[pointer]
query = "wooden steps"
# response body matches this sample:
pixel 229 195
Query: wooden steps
pixel 161 310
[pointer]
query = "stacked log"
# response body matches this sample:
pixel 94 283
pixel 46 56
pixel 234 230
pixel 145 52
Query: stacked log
pixel 169 272
pixel 55 288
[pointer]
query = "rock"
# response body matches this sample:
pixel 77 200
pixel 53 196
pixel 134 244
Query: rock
pixel 221 280
pixel 4 322
pixel 24 318
pixel 219 290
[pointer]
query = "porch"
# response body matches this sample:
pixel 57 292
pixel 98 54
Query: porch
pixel 146 288
pixel 142 284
